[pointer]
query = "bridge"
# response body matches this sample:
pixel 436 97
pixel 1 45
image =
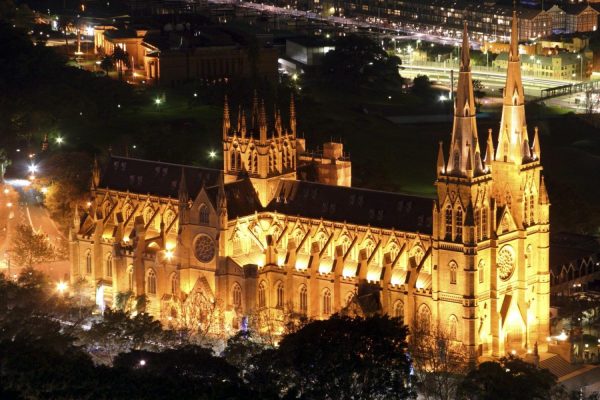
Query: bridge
pixel 571 88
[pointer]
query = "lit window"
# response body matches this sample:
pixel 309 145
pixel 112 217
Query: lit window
pixel 262 295
pixel 303 299
pixel 237 296
pixel 280 295
pixel 326 302
pixel 151 282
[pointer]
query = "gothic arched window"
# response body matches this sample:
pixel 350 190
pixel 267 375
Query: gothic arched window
pixel 237 296
pixel 204 216
pixel 326 302
pixel 148 213
pixel 484 223
pixel 254 163
pixel 280 295
pixel 399 309
pixel 303 299
pixel 448 222
pixel 453 272
pixel 130 278
pixel 262 295
pixel 424 318
pixel 88 262
pixel 109 265
pixel 174 283
pixel 151 282
pixel 452 327
pixel 459 224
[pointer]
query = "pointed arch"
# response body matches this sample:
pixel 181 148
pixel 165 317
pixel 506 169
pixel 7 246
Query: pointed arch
pixel 303 300
pixel 452 327
pixel 424 318
pixel 453 268
pixel 262 294
pixel 108 272
pixel 88 262
pixel 130 278
pixel 151 281
pixel 326 302
pixel 398 311
pixel 204 214
pixel 236 296
pixel 279 291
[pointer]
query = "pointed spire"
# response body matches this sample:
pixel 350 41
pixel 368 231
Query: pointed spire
pixel 469 164
pixel 226 121
pixel 512 124
pixel 465 56
pixel 254 115
pixel 221 197
pixel 441 163
pixel 464 129
pixel 526 151
pixel 536 145
pixel 262 122
pixel 478 161
pixel 489 151
pixel 543 192
pixel 96 173
pixel 182 190
pixel 239 119
pixel 278 124
pixel 243 125
pixel 513 54
pixel 292 115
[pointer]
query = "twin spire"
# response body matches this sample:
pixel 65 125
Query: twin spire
pixel 464 156
pixel 465 159
pixel 259 121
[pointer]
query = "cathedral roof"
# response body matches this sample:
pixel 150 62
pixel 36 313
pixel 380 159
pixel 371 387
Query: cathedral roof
pixel 353 205
pixel 241 197
pixel 155 177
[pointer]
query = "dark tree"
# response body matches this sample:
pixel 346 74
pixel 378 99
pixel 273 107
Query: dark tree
pixel 359 59
pixel 339 358
pixel 422 86
pixel 511 378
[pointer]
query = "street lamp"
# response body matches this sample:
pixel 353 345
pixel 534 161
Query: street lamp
pixel 59 140
pixel 32 168
pixel 61 287
pixel 580 66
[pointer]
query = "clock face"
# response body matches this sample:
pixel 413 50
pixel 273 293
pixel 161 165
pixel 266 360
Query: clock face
pixel 204 248
pixel 506 262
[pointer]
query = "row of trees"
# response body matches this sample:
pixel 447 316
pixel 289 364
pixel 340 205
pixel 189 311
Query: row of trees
pixel 56 347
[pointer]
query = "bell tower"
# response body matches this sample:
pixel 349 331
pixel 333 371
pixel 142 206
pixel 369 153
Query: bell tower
pixel 462 213
pixel 520 245
pixel 266 152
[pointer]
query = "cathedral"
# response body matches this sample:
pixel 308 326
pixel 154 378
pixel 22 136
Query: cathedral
pixel 281 230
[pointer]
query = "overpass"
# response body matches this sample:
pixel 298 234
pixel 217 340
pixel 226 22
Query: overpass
pixel 569 89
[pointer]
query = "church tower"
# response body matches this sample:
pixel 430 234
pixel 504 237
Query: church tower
pixel 266 152
pixel 461 216
pixel 520 244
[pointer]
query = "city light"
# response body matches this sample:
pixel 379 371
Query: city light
pixel 142 363
pixel 32 168
pixel 157 101
pixel 59 140
pixel 44 190
pixel 212 154
pixel 169 255
pixel 61 287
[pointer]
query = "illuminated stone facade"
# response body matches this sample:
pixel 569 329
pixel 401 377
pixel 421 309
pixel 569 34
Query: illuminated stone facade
pixel 472 262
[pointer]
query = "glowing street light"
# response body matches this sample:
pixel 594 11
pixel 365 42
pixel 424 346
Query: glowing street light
pixel 44 190
pixel 32 168
pixel 61 287
pixel 169 255
pixel 212 154
pixel 59 140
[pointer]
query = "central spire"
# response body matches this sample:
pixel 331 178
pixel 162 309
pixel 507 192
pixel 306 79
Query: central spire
pixel 513 127
pixel 463 160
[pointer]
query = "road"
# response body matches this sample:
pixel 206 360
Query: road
pixel 391 29
pixel 25 210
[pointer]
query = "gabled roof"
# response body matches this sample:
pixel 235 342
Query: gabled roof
pixel 353 205
pixel 241 198
pixel 154 177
